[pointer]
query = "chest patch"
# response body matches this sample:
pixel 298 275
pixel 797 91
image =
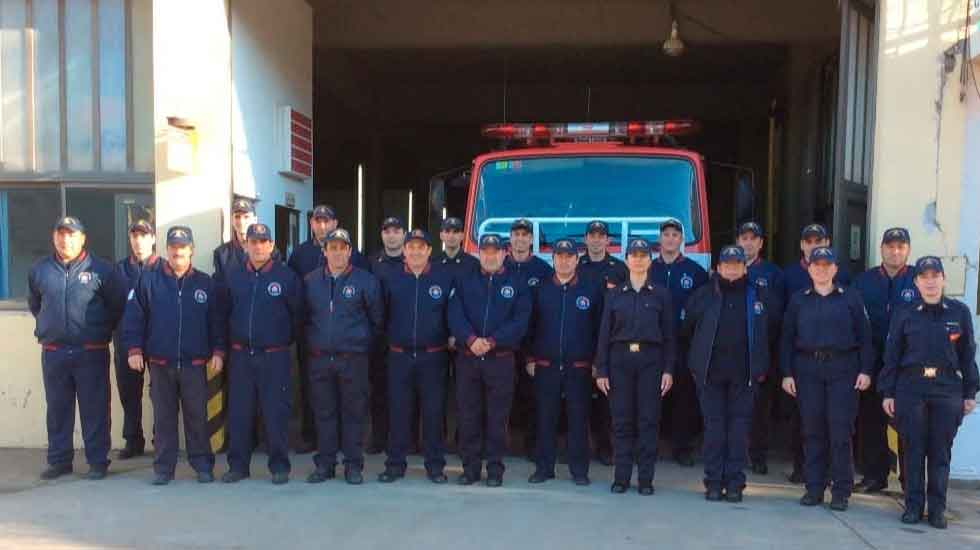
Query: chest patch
pixel 533 281
pixel 687 282
pixel 583 303
pixel 348 292
pixel 758 308
pixel 908 294
pixel 275 289
pixel 435 291
pixel 200 296
pixel 85 277
pixel 953 331
pixel 762 281
pixel 507 291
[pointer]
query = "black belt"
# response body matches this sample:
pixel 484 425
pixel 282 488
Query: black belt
pixel 637 347
pixel 824 355
pixel 431 349
pixel 254 350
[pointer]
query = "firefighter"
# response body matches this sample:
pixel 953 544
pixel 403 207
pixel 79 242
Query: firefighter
pixel 635 359
pixel 928 384
pixel 142 257
pixel 264 306
pixel 609 271
pixel 681 276
pixel 345 314
pixel 308 257
pixel 390 260
pixel 416 302
pixel 232 253
pixel 76 300
pixel 174 327
pixel 562 340
pixel 727 323
pixel 522 263
pixel 488 316
pixel 763 274
pixel 827 358
pixel 453 257
pixel 885 289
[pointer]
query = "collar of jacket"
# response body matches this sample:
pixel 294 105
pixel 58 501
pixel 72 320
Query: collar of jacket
pixel 884 273
pixel 837 290
pixel 266 267
pixel 150 262
pixel 71 265
pixel 501 271
pixel 347 270
pixel 425 271
pixel 169 271
pixel 571 282
pixel 680 258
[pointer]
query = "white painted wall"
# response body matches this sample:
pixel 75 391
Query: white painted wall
pixel 926 171
pixel 272 67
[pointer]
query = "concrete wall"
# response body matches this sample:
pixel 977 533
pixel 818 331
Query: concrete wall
pixel 927 170
pixel 272 67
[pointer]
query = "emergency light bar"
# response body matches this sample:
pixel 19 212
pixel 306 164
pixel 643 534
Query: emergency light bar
pixel 589 130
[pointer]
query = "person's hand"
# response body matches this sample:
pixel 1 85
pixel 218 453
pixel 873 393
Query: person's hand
pixel 136 363
pixel 888 405
pixel 477 347
pixel 603 384
pixel 789 385
pixel 529 367
pixel 968 406
pixel 452 343
pixel 216 364
pixel 666 382
pixel 863 382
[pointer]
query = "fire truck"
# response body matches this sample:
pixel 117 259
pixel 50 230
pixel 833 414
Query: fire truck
pixel 631 175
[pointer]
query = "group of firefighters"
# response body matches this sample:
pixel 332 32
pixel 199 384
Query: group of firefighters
pixel 594 344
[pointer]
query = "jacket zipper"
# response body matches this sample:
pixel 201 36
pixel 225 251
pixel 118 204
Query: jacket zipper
pixel 415 321
pixel 180 317
pixel 251 310
pixel 561 330
pixel 486 312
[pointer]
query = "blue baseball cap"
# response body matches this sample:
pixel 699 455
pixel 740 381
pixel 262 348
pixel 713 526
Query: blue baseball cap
pixel 392 221
pixel 490 241
pixel 522 223
pixel 823 254
pixel 638 245
pixel 141 226
pixel 929 263
pixel 258 231
pixel 732 253
pixel 671 222
pixel 899 234
pixel 597 226
pixel 751 227
pixel 564 246
pixel 180 235
pixel 418 235
pixel 814 230
pixel 325 212
pixel 70 223
pixel 242 206
pixel 452 224
pixel 338 234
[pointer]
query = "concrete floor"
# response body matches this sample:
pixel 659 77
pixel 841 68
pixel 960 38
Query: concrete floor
pixel 125 511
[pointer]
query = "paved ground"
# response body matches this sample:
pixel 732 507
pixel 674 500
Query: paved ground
pixel 125 511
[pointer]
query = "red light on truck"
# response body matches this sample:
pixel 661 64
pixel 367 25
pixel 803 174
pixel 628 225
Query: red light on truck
pixel 589 130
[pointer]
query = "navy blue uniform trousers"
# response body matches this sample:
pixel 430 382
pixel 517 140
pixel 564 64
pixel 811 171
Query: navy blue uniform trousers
pixel 181 390
pixel 484 392
pixel 726 406
pixel 72 373
pixel 635 404
pixel 339 391
pixel 129 384
pixel 828 409
pixel 259 380
pixel 551 384
pixel 416 374
pixel 928 413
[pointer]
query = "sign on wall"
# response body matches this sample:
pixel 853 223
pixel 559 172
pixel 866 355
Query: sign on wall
pixel 296 139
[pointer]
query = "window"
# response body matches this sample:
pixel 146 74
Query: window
pixel 107 214
pixel 26 218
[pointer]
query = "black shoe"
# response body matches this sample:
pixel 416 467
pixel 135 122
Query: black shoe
pixel 760 467
pixel 353 476
pixel 619 487
pixel 684 458
pixel 56 471
pixel 467 479
pixel 163 479
pixel 96 473
pixel 646 488
pixel 320 475
pixel 233 476
pixel 389 476
pixel 305 447
pixel 937 520
pixel 811 500
pixel 796 477
pixel 911 517
pixel 870 487
pixel 581 480
pixel 540 476
pixel 205 477
pixel 130 451
pixel 838 503
pixel 280 478
pixel 494 480
pixel 733 495
pixel 437 477
pixel 713 495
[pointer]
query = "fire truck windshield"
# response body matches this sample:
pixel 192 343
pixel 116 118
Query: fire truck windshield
pixel 563 193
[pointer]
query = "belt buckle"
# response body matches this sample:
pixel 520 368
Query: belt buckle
pixel 929 372
pixel 634 347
